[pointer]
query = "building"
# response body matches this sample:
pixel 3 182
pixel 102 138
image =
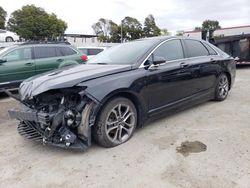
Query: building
pixel 233 40
pixel 223 32
pixel 83 40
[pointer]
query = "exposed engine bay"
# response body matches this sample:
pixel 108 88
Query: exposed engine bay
pixel 60 117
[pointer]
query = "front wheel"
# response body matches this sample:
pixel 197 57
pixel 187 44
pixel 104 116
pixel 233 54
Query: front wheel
pixel 116 123
pixel 222 88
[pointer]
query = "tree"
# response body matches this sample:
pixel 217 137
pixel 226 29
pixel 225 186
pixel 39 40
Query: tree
pixel 3 15
pixel 150 28
pixel 104 29
pixel 197 28
pixel 33 23
pixel 131 29
pixel 179 33
pixel 165 32
pixel 210 25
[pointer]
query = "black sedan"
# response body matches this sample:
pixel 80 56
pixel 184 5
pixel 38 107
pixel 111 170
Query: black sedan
pixel 119 89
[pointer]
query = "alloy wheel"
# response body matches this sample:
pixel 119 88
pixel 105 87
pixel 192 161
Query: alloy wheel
pixel 120 123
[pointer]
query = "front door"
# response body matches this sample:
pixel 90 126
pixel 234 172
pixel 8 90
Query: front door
pixel 18 66
pixel 170 81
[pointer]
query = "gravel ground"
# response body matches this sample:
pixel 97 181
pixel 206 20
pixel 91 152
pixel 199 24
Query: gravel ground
pixel 204 146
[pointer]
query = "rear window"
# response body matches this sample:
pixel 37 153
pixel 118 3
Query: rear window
pixel 64 51
pixel 210 49
pixel 94 51
pixel 195 48
pixel 44 52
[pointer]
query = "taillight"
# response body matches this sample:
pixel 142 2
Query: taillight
pixel 84 57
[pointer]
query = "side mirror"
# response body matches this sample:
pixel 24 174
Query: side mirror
pixel 158 60
pixel 236 58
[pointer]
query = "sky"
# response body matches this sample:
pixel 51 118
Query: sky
pixel 173 15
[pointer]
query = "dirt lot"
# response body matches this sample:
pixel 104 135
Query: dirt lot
pixel 217 134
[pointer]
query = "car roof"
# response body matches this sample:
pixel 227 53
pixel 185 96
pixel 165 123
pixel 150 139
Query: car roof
pixel 162 38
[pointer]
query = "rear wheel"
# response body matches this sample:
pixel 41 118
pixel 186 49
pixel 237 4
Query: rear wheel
pixel 222 88
pixel 116 123
pixel 9 39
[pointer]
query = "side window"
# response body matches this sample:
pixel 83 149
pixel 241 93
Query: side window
pixel 94 51
pixel 170 50
pixel 84 51
pixel 44 52
pixel 64 51
pixel 18 55
pixel 2 31
pixel 194 48
pixel 210 49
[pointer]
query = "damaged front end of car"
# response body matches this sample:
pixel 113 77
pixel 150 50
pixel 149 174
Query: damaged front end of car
pixel 58 117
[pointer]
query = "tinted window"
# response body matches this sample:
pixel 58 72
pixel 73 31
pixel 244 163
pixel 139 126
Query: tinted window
pixel 45 52
pixel 170 50
pixel 64 51
pixel 94 51
pixel 195 48
pixel 18 55
pixel 210 49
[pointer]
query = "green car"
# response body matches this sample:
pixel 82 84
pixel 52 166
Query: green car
pixel 22 61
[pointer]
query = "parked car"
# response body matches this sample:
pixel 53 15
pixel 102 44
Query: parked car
pixel 119 89
pixel 91 51
pixel 7 36
pixel 20 62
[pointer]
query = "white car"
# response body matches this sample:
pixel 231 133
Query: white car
pixel 7 36
pixel 91 51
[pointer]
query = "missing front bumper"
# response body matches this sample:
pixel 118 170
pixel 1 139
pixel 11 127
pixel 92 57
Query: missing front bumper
pixel 39 127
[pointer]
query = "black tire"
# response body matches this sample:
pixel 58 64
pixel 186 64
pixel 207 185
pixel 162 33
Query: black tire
pixel 222 88
pixel 9 39
pixel 114 126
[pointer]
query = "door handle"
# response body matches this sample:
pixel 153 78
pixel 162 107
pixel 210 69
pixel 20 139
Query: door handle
pixel 184 65
pixel 212 60
pixel 29 64
pixel 59 60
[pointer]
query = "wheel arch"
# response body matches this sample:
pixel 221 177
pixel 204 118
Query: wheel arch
pixel 229 78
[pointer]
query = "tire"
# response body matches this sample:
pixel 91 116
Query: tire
pixel 122 117
pixel 9 39
pixel 222 88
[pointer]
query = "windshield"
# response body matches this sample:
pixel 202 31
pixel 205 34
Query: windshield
pixel 126 53
pixel 4 49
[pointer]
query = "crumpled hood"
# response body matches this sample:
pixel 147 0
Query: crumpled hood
pixel 66 77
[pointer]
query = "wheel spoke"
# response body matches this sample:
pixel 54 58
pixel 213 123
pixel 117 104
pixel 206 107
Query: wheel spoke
pixel 112 128
pixel 126 112
pixel 116 134
pixel 129 125
pixel 115 112
pixel 120 135
pixel 112 123
pixel 127 116
pixel 119 110
pixel 124 128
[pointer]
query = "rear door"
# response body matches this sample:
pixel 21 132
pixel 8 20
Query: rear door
pixel 66 53
pixel 46 58
pixel 19 65
pixel 202 60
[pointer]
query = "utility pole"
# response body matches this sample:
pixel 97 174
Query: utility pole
pixel 121 33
